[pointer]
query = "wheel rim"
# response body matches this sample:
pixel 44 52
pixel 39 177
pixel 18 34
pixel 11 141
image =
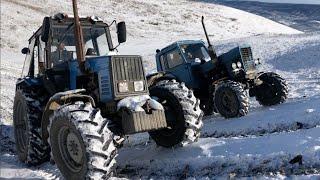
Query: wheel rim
pixel 171 117
pixel 21 127
pixel 70 148
pixel 229 101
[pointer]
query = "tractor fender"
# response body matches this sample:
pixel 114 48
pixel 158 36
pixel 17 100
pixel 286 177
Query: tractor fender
pixel 154 78
pixel 58 100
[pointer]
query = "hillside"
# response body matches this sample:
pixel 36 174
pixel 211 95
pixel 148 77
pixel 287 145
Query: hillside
pixel 146 20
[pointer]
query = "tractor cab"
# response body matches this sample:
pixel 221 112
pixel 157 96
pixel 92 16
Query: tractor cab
pixel 53 58
pixel 190 55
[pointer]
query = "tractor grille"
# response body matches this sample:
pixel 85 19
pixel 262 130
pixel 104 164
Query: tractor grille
pixel 127 68
pixel 247 58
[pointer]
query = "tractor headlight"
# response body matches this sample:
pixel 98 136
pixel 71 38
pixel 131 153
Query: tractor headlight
pixel 234 66
pixel 239 64
pixel 138 85
pixel 123 87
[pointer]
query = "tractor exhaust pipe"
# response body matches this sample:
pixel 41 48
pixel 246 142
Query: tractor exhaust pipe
pixel 212 52
pixel 78 37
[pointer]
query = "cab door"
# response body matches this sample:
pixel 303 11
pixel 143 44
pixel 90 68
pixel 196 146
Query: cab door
pixel 176 65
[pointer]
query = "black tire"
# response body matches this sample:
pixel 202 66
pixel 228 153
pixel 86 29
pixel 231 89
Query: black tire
pixel 231 100
pixel 273 90
pixel 81 144
pixel 183 114
pixel 27 114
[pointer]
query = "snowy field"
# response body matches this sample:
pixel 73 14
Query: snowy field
pixel 259 145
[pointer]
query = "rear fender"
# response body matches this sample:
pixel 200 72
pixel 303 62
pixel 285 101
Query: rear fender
pixel 58 100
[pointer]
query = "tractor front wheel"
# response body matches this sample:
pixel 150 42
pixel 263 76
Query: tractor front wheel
pixel 81 144
pixel 273 90
pixel 231 99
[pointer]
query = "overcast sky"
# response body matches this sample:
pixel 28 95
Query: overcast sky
pixel 290 1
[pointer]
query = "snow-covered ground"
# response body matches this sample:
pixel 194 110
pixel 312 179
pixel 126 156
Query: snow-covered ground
pixel 259 145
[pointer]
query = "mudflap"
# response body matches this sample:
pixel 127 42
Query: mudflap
pixel 140 121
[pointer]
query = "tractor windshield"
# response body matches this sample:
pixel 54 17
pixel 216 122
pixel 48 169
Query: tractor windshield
pixel 63 47
pixel 193 51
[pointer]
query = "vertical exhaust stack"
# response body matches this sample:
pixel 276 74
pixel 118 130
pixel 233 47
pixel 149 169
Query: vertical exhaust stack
pixel 211 49
pixel 78 37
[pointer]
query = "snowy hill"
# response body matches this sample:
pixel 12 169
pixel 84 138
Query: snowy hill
pixel 147 20
pixel 304 17
pixel 259 145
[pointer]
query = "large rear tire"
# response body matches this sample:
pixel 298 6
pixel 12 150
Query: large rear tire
pixel 27 114
pixel 273 90
pixel 183 114
pixel 81 144
pixel 231 100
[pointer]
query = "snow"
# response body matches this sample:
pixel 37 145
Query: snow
pixel 259 145
pixel 135 103
pixel 218 157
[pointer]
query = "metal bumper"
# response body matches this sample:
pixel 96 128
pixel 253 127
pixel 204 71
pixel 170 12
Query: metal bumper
pixel 135 122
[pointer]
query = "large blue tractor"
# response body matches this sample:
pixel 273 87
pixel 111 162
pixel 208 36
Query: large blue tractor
pixel 220 82
pixel 76 101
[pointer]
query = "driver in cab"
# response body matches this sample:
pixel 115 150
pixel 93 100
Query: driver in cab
pixel 60 55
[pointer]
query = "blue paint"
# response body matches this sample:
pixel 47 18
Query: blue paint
pixel 74 71
pixel 102 66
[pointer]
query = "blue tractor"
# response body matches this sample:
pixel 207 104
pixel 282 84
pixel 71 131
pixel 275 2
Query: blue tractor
pixel 76 100
pixel 220 82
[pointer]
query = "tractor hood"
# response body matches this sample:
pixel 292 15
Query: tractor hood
pixel 238 59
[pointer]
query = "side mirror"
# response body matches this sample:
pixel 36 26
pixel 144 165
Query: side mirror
pixel 25 50
pixel 122 32
pixel 45 29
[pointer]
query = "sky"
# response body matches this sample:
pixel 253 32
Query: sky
pixel 290 1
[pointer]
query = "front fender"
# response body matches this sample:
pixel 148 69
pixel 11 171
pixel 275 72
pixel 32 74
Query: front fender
pixel 58 100
pixel 159 76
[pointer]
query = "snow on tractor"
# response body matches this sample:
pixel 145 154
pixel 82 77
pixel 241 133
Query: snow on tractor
pixel 221 83
pixel 76 101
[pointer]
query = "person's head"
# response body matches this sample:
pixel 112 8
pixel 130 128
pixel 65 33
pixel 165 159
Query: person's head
pixel 61 46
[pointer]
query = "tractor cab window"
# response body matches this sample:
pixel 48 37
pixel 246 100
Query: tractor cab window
pixel 27 66
pixel 63 47
pixel 174 58
pixel 193 51
pixel 34 62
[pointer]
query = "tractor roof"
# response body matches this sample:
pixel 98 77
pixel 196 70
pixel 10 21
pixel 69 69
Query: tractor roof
pixel 65 19
pixel 178 43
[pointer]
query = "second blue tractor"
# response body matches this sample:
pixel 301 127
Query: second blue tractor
pixel 222 83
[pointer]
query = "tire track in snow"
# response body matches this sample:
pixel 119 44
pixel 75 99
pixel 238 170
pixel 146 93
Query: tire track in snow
pixel 286 117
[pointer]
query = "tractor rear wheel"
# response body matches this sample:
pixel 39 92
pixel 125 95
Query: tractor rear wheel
pixel 81 144
pixel 231 99
pixel 273 90
pixel 27 113
pixel 182 111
